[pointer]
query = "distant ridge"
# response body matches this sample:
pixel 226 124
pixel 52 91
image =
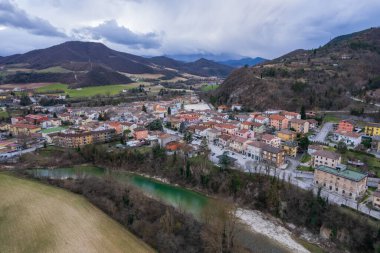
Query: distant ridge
pixel 244 61
pixel 81 59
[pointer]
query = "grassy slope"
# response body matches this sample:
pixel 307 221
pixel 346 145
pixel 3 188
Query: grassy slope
pixel 210 87
pixel 40 218
pixel 87 91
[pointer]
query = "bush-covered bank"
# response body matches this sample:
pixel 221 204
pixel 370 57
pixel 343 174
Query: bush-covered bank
pixel 161 226
pixel 273 195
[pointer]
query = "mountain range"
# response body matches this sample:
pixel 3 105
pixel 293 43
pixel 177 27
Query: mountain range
pixel 243 62
pixel 322 78
pixel 76 62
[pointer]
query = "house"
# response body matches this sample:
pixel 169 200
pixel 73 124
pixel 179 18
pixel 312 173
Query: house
pixel 246 125
pixel 287 135
pixel 312 148
pixel 346 125
pixel 349 138
pixel 236 107
pixel 140 133
pixel 102 136
pixel 115 125
pixel 51 123
pixel 278 122
pixel 299 125
pixel 340 180
pixel 271 140
pixel 244 133
pixel 257 127
pixel 212 134
pixel 290 148
pixel 22 129
pixel 224 140
pixel 35 119
pixel 173 146
pixel 375 144
pixel 15 120
pixel 376 199
pixel 372 129
pixel 72 139
pixel 291 115
pixel 222 108
pixel 261 119
pixel 226 128
pixel 313 124
pixel 274 155
pixel 165 138
pixel 253 150
pixel 326 158
pixel 237 143
pixel 242 117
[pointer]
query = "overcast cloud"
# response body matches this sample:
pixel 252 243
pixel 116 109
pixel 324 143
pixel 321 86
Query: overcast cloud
pixel 267 28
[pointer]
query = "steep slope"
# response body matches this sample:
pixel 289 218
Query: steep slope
pixel 74 52
pixel 76 56
pixel 204 67
pixel 98 75
pixel 243 61
pixel 321 78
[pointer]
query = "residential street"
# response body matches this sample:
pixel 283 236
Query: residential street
pixel 321 136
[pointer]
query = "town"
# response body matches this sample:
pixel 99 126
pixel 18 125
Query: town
pixel 295 146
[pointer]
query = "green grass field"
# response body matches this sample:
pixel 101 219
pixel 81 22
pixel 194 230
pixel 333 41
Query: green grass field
pixel 87 91
pixel 305 168
pixel 56 69
pixel 39 218
pixel 209 87
pixel 331 118
pixel 4 114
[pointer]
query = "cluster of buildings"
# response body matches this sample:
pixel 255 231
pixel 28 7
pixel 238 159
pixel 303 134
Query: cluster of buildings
pixel 260 136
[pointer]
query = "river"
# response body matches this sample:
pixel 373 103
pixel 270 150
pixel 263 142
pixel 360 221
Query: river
pixel 178 197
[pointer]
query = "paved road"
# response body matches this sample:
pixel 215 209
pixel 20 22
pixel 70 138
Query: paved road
pixel 321 136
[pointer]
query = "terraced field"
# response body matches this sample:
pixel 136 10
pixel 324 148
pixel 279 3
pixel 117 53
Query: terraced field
pixel 38 218
pixel 87 91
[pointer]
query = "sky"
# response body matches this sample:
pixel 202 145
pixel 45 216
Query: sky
pixel 217 28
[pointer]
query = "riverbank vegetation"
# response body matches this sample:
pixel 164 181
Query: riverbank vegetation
pixel 256 191
pixel 163 227
pixel 271 195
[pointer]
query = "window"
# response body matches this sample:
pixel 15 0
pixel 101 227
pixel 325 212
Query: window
pixel 336 189
pixel 343 191
pixel 330 187
pixel 316 182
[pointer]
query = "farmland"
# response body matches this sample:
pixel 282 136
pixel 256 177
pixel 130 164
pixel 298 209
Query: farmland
pixel 86 91
pixel 210 87
pixel 40 218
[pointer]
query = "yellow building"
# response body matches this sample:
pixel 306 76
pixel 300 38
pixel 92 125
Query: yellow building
pixel 21 129
pixel 287 135
pixel 78 138
pixel 340 180
pixel 290 148
pixel 372 129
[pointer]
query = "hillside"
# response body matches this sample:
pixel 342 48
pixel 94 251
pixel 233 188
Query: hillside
pixel 324 78
pixel 76 63
pixel 243 61
pixel 40 218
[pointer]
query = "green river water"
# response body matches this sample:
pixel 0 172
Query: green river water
pixel 187 200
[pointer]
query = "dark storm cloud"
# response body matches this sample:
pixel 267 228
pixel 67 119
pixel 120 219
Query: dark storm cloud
pixel 13 16
pixel 112 32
